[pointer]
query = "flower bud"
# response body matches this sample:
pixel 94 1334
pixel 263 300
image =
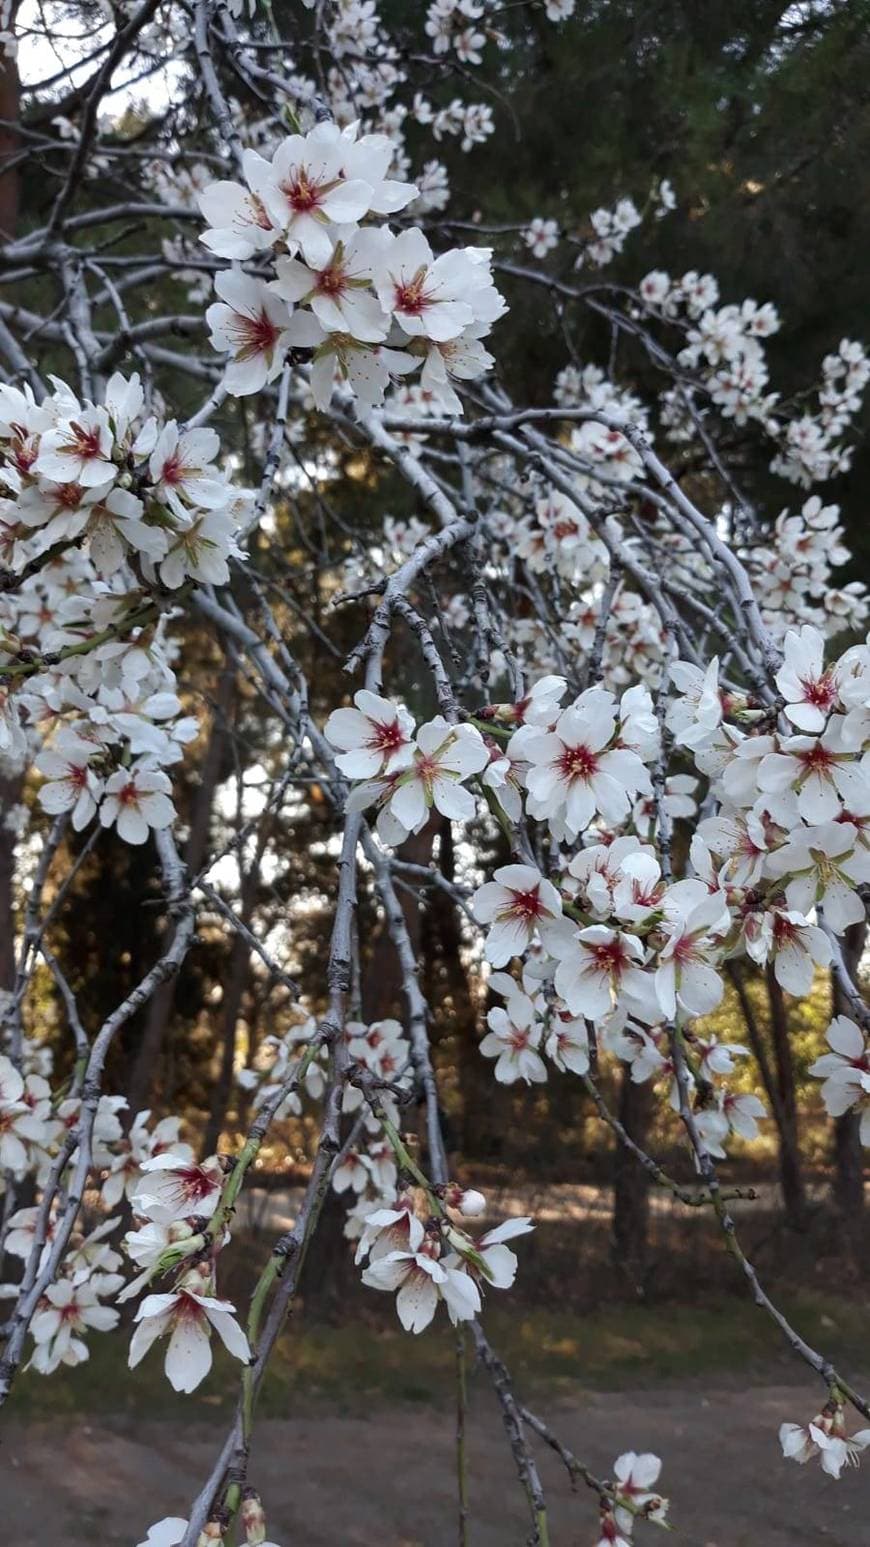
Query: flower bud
pixel 466 1200
pixel 253 1518
pixel 211 1535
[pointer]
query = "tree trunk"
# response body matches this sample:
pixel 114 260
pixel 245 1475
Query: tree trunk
pixel 848 1182
pixel 775 1084
pixel 235 983
pixel 790 1169
pixel 234 992
pixel 145 1065
pixel 630 1225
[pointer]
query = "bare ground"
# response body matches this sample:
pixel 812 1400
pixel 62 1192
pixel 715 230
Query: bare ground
pixel 386 1480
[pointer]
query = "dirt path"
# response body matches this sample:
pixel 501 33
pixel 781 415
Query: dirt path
pixel 386 1480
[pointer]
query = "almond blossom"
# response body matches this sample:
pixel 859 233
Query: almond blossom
pixel 375 737
pixel 68 1309
pixel 600 968
pixel 444 756
pixel 633 1489
pixel 794 945
pixel 824 1437
pixel 175 1186
pixel 807 685
pixel 303 189
pixel 821 772
pixel 18 1124
pixel 846 1072
pixel 574 770
pixel 239 223
pixel 568 1043
pixel 250 324
pixel 823 866
pixel 137 801
pixel 339 293
pixel 435 297
pixel 180 466
pixel 517 904
pixel 686 974
pixel 513 1038
pixel 79 450
pixel 187 1316
pixel 421 1280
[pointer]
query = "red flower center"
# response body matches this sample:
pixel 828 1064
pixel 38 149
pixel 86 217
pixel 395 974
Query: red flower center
pixel 302 195
pixel 525 905
pixel 257 335
pixel 819 691
pixel 411 296
pixel 817 760
pixel 387 736
pixel 611 955
pixel 85 442
pixel 578 763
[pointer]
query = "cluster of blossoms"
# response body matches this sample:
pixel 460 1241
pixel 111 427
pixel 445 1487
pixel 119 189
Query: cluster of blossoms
pixel 71 1306
pixel 406 771
pixel 406 1232
pixel 791 575
pixel 594 946
pixel 824 1438
pixel 631 1496
pixel 34 1123
pixel 609 941
pixel 366 304
pixel 175 1200
pixel 611 227
pixel 792 571
pixel 416 1249
pixel 725 348
pixel 103 512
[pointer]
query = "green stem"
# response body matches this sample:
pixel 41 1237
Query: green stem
pixel 461 1458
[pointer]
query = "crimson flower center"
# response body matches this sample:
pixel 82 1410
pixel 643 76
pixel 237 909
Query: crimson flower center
pixel 302 195
pixel 819 691
pixel 69 495
pixel 411 296
pixel 85 442
pixel 387 736
pixel 173 471
pixel 524 905
pixel 256 334
pixel 195 1184
pixel 610 955
pixel 817 760
pixel 578 763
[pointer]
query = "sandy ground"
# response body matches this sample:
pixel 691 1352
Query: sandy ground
pixel 386 1480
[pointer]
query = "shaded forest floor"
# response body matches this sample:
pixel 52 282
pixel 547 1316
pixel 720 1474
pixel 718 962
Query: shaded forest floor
pixel 335 1480
pixel 355 1436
